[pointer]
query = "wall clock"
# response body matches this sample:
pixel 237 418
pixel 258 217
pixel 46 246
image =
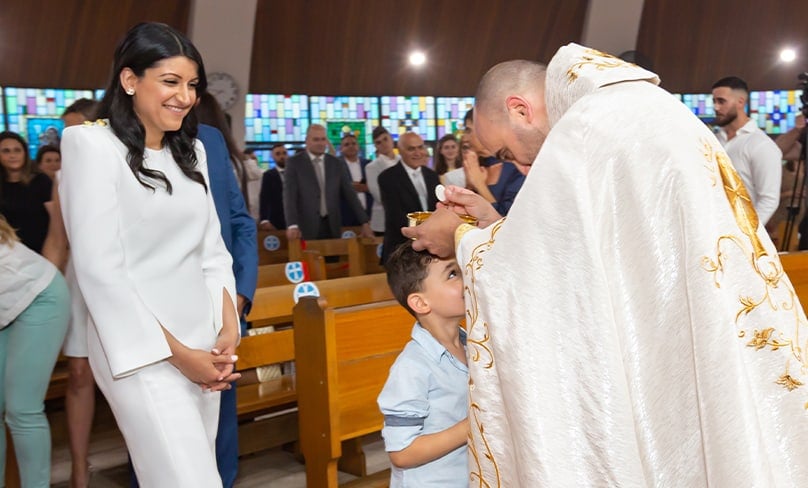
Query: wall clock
pixel 224 88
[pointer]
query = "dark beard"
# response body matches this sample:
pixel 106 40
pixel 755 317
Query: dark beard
pixel 728 119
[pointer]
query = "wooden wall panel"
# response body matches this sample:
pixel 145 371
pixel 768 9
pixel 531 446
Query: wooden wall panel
pixel 69 44
pixel 359 47
pixel 693 43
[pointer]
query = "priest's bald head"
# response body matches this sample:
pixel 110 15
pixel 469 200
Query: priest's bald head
pixel 510 116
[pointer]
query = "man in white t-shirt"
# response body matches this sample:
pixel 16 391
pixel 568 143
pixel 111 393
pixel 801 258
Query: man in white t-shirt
pixel 386 157
pixel 756 157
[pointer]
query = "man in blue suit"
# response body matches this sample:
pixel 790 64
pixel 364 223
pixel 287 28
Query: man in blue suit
pixel 239 234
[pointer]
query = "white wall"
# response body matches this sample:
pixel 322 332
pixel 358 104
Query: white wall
pixel 223 33
pixel 612 25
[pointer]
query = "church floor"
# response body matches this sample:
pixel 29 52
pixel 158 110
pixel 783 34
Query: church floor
pixel 274 468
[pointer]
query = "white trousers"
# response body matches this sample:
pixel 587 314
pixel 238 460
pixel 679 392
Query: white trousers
pixel 168 422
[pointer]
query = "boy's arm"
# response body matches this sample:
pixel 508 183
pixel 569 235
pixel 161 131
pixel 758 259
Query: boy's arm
pixel 429 447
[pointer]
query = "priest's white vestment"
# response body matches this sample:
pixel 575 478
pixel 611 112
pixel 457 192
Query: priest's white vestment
pixel 629 322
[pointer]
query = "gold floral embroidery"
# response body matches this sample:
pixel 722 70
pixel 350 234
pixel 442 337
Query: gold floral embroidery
pixel 789 382
pixel 476 475
pixel 776 291
pixel 479 351
pixel 600 60
pixel 763 338
pixel 709 156
pixel 475 263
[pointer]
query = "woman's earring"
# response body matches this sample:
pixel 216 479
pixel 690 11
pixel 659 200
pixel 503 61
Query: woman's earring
pixel 130 91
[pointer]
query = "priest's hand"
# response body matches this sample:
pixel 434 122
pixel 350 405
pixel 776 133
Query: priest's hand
pixel 435 234
pixel 462 201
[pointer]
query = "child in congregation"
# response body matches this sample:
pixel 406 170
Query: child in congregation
pixel 425 398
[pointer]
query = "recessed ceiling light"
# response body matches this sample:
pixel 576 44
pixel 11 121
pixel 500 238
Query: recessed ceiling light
pixel 417 58
pixel 788 55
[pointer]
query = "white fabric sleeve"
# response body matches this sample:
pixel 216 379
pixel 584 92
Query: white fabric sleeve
pixel 217 264
pixel 767 174
pixel 130 334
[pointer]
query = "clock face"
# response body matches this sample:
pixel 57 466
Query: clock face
pixel 224 88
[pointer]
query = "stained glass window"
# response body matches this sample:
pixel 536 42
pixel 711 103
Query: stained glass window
pixel 450 113
pixel 417 114
pixel 774 111
pixel 331 111
pixel 276 118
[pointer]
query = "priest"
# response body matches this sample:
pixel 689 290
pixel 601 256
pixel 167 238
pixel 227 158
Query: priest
pixel 629 322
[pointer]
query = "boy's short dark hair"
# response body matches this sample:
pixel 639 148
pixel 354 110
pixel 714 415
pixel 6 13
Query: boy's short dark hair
pixel 379 131
pixel 406 271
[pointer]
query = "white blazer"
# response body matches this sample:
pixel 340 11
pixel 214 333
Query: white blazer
pixel 143 258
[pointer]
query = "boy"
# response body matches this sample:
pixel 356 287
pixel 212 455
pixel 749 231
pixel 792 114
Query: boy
pixel 425 398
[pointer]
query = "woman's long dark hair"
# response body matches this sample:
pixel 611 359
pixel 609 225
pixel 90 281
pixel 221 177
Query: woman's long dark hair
pixel 441 165
pixel 28 170
pixel 145 45
pixel 209 112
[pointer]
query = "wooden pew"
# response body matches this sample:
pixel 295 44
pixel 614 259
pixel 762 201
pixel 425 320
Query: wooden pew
pixel 795 265
pixel 273 305
pixel 267 410
pixel 275 274
pixel 369 255
pixel 345 250
pixel 278 397
pixel 273 247
pixel 349 352
pixel 12 471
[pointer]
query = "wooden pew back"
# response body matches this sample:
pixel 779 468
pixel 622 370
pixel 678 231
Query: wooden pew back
pixel 273 247
pixel 275 274
pixel 369 255
pixel 277 396
pixel 346 250
pixel 795 265
pixel 273 305
pixel 348 353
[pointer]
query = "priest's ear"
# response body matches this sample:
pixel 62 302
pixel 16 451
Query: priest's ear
pixel 519 108
pixel 418 303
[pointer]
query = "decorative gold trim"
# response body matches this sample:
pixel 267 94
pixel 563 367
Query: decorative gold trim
pixel 479 351
pixel 461 230
pixel 598 59
pixel 767 268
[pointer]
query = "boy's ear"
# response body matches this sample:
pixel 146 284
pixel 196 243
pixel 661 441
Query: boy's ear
pixel 418 303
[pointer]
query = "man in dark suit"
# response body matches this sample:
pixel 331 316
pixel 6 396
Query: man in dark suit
pixel 271 215
pixel 409 186
pixel 349 150
pixel 313 186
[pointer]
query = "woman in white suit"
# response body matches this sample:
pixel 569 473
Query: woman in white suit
pixel 150 260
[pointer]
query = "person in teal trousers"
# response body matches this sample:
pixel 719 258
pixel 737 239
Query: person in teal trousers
pixel 34 310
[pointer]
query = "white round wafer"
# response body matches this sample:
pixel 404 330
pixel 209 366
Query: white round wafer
pixel 440 192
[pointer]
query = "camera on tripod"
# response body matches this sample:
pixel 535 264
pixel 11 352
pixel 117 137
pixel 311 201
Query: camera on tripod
pixel 798 190
pixel 803 85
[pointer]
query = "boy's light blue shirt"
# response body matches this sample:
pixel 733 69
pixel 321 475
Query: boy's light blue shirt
pixel 426 392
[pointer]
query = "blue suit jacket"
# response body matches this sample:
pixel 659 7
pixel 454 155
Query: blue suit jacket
pixel 238 227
